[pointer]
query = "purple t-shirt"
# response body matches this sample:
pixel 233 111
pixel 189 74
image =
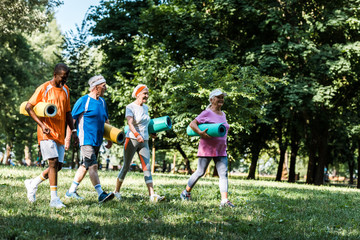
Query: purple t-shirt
pixel 215 146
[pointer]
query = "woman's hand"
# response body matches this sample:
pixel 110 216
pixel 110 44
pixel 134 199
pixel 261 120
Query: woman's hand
pixel 140 139
pixel 203 134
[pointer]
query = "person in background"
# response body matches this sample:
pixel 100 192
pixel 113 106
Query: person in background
pixel 107 162
pixel 211 147
pixel 90 114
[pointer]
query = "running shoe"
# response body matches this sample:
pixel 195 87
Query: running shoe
pixel 156 198
pixel 185 196
pixel 56 203
pixel 73 195
pixel 117 195
pixel 227 204
pixel 104 197
pixel 31 191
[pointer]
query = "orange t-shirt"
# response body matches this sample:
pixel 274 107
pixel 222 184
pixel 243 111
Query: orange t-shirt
pixel 61 98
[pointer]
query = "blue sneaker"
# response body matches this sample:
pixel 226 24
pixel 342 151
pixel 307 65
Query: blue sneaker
pixel 104 197
pixel 73 195
pixel 185 196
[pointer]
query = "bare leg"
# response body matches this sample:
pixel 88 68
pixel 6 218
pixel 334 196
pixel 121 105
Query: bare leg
pixel 118 185
pixel 80 174
pixel 224 195
pixel 93 173
pixel 150 187
pixel 52 171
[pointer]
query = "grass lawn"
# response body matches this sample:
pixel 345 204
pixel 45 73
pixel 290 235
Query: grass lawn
pixel 265 210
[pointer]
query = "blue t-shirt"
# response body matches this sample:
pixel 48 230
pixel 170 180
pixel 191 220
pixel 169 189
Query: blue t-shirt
pixel 90 115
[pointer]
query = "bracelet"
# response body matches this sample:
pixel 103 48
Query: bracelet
pixel 136 134
pixel 74 130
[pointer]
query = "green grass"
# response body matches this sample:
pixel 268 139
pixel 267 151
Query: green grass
pixel 265 210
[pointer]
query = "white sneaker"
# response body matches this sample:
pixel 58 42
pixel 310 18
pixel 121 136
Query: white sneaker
pixel 156 198
pixel 117 195
pixel 56 203
pixel 31 191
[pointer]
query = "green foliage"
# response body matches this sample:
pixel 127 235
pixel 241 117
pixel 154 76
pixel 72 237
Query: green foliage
pixel 27 65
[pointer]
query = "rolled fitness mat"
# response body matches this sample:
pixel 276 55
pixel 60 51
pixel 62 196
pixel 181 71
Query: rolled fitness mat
pixel 156 125
pixel 113 134
pixel 159 124
pixel 41 109
pixel 214 130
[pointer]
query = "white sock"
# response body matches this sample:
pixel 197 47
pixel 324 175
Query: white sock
pixel 73 187
pixel 53 192
pixel 36 181
pixel 224 200
pixel 98 189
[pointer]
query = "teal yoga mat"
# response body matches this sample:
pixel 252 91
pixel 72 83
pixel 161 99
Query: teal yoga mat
pixel 214 130
pixel 156 125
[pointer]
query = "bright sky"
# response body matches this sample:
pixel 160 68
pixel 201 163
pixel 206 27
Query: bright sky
pixel 73 12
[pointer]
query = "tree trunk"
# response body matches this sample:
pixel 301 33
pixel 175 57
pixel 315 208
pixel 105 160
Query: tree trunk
pixel 183 154
pixel 255 152
pixel 174 164
pixel 281 164
pixel 283 147
pixel 164 165
pixel 8 154
pixel 294 151
pixel 27 154
pixel 351 170
pixel 322 150
pixel 2 158
pixel 310 175
pixel 358 163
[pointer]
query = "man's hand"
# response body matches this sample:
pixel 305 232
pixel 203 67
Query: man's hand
pixel 67 143
pixel 109 144
pixel 75 138
pixel 45 129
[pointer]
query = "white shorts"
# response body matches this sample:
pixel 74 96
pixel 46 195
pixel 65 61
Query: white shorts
pixel 51 149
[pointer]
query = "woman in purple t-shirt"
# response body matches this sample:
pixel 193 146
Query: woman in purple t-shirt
pixel 211 147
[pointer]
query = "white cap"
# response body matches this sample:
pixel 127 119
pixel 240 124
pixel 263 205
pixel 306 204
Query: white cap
pixel 96 80
pixel 138 89
pixel 216 92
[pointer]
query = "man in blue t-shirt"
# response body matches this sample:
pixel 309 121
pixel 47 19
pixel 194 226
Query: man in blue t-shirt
pixel 90 114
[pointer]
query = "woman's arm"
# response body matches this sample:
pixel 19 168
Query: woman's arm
pixel 194 126
pixel 130 121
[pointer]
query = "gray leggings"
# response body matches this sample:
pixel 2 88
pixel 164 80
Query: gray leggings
pixel 130 147
pixel 221 164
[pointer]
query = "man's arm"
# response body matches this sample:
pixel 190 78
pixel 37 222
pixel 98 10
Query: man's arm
pixel 29 108
pixel 70 122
